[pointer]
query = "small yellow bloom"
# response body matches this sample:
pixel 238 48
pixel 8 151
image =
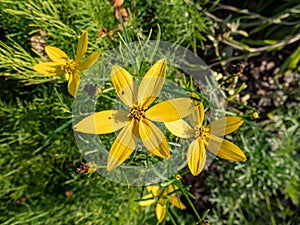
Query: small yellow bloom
pixel 136 122
pixel 255 115
pixel 62 64
pixel 161 197
pixel 207 137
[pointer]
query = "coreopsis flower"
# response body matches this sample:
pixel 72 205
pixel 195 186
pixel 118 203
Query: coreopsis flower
pixel 62 65
pixel 207 137
pixel 160 197
pixel 136 122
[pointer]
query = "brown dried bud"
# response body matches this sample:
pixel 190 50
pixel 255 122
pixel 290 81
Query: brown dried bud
pixel 118 3
pixel 123 14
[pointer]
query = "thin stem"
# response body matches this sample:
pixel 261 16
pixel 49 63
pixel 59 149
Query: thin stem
pixel 191 204
pixel 123 29
pixel 264 48
pixel 171 217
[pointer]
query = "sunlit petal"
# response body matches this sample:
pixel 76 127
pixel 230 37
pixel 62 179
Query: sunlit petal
pixel 152 83
pixel 56 55
pixel 196 118
pixel 103 122
pixel 170 110
pixel 124 85
pixel 161 210
pixel 196 156
pixel 73 83
pixel 81 46
pixel 123 146
pixel 171 188
pixel 148 200
pixel 154 189
pixel 180 128
pixel 49 68
pixel 89 61
pixel 153 139
pixel 225 125
pixel 225 149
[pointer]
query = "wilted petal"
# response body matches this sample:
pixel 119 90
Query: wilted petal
pixel 73 83
pixel 180 128
pixel 49 68
pixel 196 118
pixel 154 139
pixel 161 210
pixel 148 200
pixel 225 149
pixel 123 146
pixel 124 85
pixel 225 125
pixel 152 83
pixel 89 61
pixel 103 122
pixel 196 156
pixel 81 46
pixel 170 110
pixel 56 55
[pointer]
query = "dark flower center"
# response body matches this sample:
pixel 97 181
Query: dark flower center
pixel 137 112
pixel 203 133
pixel 69 67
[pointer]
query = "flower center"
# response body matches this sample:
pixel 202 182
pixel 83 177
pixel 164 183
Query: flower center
pixel 203 133
pixel 69 67
pixel 137 112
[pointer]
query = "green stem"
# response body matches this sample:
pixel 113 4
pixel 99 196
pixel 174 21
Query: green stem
pixel 171 217
pixel 124 29
pixel 191 204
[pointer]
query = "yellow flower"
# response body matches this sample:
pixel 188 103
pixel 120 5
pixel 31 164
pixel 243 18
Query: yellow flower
pixel 136 122
pixel 207 137
pixel 62 64
pixel 161 197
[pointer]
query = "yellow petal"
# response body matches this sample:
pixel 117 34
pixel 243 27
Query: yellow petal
pixel 103 122
pixel 123 146
pixel 225 125
pixel 196 156
pixel 154 189
pixel 124 85
pixel 195 97
pixel 196 118
pixel 161 210
pixel 56 55
pixel 170 110
pixel 49 68
pixel 180 128
pixel 73 83
pixel 172 188
pixel 225 149
pixel 174 200
pixel 154 139
pixel 81 46
pixel 89 61
pixel 152 83
pixel 148 200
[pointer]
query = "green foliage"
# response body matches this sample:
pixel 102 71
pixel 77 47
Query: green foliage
pixel 43 176
pixel 240 191
pixel 181 22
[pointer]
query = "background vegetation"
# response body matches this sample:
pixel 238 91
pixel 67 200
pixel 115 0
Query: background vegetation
pixel 253 47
